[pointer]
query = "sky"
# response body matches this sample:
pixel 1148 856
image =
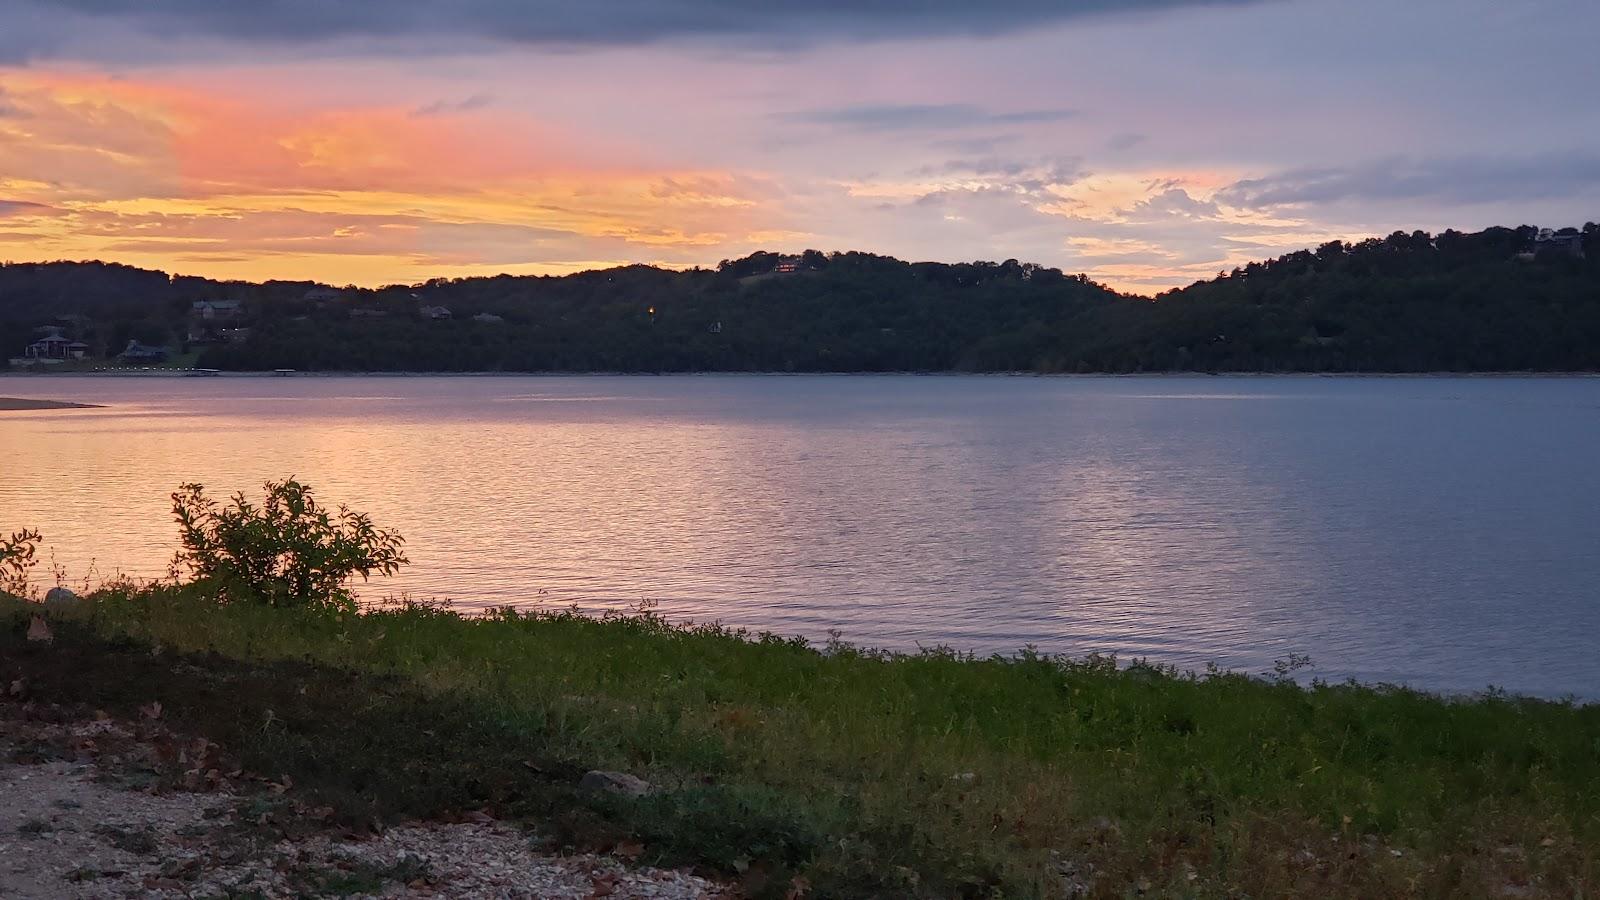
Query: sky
pixel 1147 143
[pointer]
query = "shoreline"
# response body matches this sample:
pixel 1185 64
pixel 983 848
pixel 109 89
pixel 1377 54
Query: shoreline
pixel 717 752
pixel 180 373
pixel 23 404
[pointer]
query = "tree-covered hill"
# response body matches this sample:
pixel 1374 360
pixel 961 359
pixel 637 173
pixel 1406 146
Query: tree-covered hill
pixel 1499 300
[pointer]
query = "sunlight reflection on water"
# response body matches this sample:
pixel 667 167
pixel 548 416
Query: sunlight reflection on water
pixel 1439 532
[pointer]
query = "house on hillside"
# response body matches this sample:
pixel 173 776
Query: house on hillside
pixel 787 265
pixel 322 294
pixel 488 318
pixel 435 313
pixel 54 346
pixel 137 352
pixel 210 310
pixel 1567 242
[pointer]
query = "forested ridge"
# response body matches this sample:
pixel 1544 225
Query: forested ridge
pixel 1504 299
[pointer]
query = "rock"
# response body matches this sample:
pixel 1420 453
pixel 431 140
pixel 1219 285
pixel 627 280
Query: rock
pixel 39 631
pixel 615 782
pixel 964 777
pixel 60 596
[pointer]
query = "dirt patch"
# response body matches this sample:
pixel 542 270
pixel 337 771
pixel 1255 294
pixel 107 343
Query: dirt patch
pixel 101 807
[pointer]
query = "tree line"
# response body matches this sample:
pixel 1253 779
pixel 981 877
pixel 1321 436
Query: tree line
pixel 1503 299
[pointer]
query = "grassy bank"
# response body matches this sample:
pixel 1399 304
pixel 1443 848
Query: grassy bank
pixel 861 774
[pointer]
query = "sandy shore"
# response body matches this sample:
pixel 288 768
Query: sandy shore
pixel 17 403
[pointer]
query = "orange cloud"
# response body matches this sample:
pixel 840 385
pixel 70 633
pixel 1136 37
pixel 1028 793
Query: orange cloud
pixel 167 175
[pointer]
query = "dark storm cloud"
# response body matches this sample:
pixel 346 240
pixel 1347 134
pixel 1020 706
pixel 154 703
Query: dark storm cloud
pixel 922 116
pixel 38 28
pixel 1461 180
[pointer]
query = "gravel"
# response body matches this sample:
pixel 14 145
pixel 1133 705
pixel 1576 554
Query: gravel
pixel 70 829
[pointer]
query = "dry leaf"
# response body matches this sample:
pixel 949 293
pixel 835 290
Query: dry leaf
pixel 151 710
pixel 629 850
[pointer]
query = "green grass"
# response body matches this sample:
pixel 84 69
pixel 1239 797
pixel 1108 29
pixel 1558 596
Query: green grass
pixel 869 774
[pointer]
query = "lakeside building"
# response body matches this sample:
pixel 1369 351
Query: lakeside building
pixel 137 352
pixel 56 347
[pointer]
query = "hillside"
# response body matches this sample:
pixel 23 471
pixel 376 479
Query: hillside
pixel 1498 300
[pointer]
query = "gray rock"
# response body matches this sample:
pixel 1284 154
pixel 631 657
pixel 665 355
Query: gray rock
pixel 615 782
pixel 60 596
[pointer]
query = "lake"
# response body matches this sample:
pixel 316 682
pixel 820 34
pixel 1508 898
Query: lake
pixel 1438 532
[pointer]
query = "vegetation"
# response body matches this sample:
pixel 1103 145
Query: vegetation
pixel 17 556
pixel 831 772
pixel 1497 300
pixel 860 773
pixel 288 551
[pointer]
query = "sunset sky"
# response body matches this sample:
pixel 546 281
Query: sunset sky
pixel 1147 143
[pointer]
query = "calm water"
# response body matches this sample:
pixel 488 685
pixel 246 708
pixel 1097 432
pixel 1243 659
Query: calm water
pixel 1438 532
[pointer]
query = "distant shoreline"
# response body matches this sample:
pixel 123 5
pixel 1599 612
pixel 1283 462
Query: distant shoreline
pixel 19 404
pixel 180 373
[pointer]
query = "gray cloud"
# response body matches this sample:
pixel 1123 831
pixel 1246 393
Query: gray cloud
pixel 22 207
pixel 1458 180
pixel 446 107
pixel 36 28
pixel 921 116
pixel 1124 142
pixel 1017 175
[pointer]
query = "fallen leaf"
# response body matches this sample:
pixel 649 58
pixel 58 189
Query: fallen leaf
pixel 151 710
pixel 629 850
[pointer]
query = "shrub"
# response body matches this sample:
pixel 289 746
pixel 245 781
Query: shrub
pixel 288 551
pixel 16 558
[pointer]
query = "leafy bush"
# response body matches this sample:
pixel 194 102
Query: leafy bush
pixel 16 558
pixel 289 551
